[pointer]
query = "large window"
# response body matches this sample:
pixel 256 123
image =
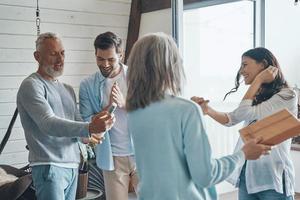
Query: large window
pixel 214 37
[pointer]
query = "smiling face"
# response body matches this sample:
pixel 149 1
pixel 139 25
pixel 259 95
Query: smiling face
pixel 250 69
pixel 108 61
pixel 50 56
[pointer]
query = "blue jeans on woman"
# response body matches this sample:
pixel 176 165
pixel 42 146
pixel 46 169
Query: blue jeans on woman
pixel 263 195
pixel 54 183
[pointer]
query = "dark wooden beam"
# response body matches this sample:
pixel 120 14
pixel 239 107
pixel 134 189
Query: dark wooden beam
pixel 153 5
pixel 133 26
pixel 143 6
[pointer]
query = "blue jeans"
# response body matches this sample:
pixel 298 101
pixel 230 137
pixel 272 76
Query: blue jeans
pixel 54 183
pixel 264 195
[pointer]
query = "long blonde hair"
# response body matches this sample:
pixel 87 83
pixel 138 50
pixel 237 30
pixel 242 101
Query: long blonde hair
pixel 154 68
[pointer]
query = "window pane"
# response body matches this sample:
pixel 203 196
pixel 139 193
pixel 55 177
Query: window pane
pixel 214 39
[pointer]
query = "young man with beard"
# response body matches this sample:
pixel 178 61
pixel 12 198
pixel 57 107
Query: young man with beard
pixel 52 123
pixel 115 155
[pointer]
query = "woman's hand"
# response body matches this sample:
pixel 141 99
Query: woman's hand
pixel 202 103
pixel 253 149
pixel 267 75
pixel 220 117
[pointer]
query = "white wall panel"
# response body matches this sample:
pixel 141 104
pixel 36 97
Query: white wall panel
pixel 8 95
pixel 94 6
pixel 63 16
pixel 14 146
pixel 64 30
pixel 17 134
pixel 26 41
pixel 17 27
pixel 19 69
pixel 4 122
pixel 26 55
pixel 7 108
pixel 20 158
pixel 10 82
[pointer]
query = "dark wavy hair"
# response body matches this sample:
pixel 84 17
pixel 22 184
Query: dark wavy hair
pixel 267 90
pixel 108 40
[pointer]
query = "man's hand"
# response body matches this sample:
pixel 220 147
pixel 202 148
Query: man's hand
pixel 117 96
pixel 101 122
pixel 96 138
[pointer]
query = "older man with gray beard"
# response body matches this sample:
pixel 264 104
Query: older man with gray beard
pixel 52 123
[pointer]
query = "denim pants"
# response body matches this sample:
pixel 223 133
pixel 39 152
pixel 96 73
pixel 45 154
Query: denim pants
pixel 264 195
pixel 54 183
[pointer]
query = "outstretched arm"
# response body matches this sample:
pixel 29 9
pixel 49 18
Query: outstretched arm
pixel 205 170
pixel 220 117
pixel 243 112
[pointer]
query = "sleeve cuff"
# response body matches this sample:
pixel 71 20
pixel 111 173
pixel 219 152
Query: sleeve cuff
pixel 241 157
pixel 229 123
pixel 87 130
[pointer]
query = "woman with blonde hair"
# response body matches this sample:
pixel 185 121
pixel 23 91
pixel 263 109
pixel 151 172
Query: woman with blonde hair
pixel 173 154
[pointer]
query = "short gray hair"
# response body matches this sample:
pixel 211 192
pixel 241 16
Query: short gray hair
pixel 42 37
pixel 154 69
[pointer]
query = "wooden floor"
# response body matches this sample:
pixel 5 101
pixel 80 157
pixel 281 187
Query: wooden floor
pixel 227 196
pixel 233 196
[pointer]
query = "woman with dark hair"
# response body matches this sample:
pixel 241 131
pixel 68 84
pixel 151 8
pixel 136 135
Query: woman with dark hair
pixel 272 176
pixel 172 151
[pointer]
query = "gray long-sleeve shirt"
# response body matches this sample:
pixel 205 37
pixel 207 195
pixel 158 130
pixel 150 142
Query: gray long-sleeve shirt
pixel 51 121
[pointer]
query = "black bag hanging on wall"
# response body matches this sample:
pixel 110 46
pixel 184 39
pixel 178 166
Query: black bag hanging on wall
pixel 8 132
pixel 20 189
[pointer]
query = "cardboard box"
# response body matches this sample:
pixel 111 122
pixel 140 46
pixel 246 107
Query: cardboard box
pixel 274 129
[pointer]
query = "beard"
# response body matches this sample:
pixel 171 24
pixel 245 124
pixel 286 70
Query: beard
pixel 106 72
pixel 52 72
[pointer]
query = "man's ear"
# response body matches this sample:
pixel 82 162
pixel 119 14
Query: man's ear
pixel 37 56
pixel 121 56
